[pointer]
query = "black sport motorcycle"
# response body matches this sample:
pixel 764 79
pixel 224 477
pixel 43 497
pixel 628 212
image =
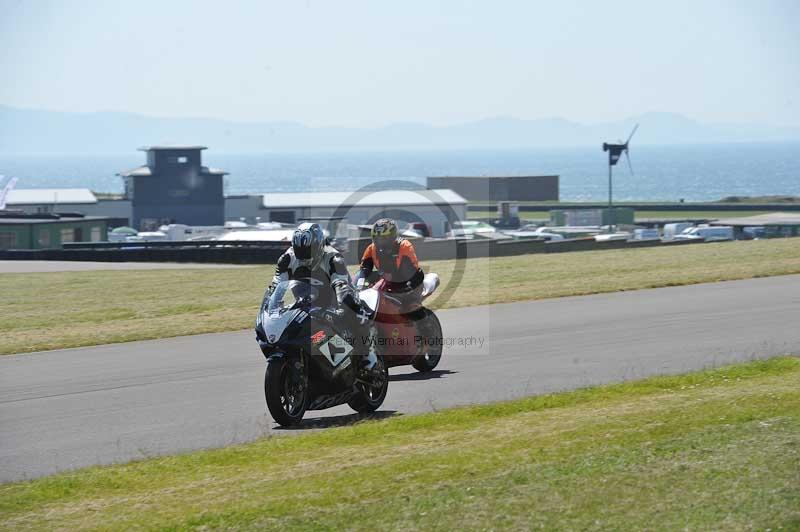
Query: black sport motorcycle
pixel 308 351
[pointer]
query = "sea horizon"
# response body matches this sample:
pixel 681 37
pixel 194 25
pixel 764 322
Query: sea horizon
pixel 689 172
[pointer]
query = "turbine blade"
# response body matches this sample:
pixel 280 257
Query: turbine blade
pixel 630 166
pixel 631 135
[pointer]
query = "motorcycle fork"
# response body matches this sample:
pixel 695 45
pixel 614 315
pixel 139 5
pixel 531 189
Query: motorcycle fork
pixel 301 367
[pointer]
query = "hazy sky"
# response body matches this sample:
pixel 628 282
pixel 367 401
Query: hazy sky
pixel 370 63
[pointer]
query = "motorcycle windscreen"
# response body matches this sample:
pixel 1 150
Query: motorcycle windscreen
pixel 292 294
pixel 370 297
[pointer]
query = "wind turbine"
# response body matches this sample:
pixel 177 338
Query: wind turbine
pixel 4 192
pixel 615 151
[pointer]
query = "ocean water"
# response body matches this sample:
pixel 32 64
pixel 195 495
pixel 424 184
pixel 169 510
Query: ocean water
pixel 661 173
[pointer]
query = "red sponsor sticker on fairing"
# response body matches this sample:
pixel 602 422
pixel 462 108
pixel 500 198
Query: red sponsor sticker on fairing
pixel 317 337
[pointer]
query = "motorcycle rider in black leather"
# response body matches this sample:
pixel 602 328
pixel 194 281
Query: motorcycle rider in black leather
pixel 311 257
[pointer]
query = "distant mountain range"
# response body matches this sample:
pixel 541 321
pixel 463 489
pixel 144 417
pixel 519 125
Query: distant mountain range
pixel 36 131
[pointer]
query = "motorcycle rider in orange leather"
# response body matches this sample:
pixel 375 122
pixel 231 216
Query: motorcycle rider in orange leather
pixel 396 262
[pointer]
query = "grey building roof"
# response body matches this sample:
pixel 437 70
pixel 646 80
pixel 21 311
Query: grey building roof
pixel 773 218
pixel 378 198
pixel 141 171
pixel 172 147
pixel 213 171
pixel 491 176
pixel 145 171
pixel 36 196
pixel 63 219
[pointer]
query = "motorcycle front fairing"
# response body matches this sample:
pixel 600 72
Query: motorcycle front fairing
pixel 296 327
pixel 279 326
pixel 282 313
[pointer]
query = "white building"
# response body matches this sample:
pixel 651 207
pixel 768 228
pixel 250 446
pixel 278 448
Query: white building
pixel 436 208
pixel 80 200
pixel 43 200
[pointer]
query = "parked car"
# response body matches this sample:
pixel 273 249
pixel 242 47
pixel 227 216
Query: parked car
pixel 537 233
pixel 121 234
pixel 707 233
pixel 526 231
pixel 235 224
pixel 468 229
pixel 549 237
pixel 529 227
pixel 608 237
pixel 646 234
pixel 148 236
pixel 420 227
pixel 754 233
pixel 460 234
pixel 473 226
pixel 411 233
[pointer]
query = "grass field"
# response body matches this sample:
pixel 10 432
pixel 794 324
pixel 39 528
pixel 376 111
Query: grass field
pixel 711 215
pixel 639 215
pixel 53 310
pixel 716 450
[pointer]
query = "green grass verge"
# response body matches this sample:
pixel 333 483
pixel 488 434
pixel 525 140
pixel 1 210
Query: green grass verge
pixel 42 311
pixel 711 215
pixel 640 215
pixel 714 450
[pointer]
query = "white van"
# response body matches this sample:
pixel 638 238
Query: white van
pixel 707 233
pixel 672 230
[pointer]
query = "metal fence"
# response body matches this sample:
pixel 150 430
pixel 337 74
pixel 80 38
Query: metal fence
pixel 230 252
pixel 721 207
pixel 248 252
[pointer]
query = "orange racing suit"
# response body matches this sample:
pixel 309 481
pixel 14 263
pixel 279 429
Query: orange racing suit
pixel 399 268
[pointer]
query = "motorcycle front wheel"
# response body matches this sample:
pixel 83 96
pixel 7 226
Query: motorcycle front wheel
pixel 286 395
pixel 371 396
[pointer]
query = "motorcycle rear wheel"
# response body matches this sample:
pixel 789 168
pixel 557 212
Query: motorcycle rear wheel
pixel 371 398
pixel 286 397
pixel 431 330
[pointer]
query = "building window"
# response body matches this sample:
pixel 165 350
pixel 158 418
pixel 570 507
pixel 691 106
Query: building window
pixel 44 238
pixel 282 216
pixel 96 234
pixel 173 159
pixel 67 235
pixel 129 181
pixel 8 240
pixel 148 224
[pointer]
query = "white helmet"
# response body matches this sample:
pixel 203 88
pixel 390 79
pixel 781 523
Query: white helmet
pixel 308 243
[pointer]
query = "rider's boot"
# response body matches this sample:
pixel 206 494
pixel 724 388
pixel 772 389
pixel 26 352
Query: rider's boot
pixel 369 361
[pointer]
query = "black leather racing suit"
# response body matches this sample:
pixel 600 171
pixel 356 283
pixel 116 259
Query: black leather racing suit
pixel 330 269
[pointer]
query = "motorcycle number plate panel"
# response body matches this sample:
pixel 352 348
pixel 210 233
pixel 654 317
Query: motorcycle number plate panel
pixel 336 349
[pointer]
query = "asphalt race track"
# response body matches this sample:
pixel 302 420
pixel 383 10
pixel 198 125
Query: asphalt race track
pixel 66 409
